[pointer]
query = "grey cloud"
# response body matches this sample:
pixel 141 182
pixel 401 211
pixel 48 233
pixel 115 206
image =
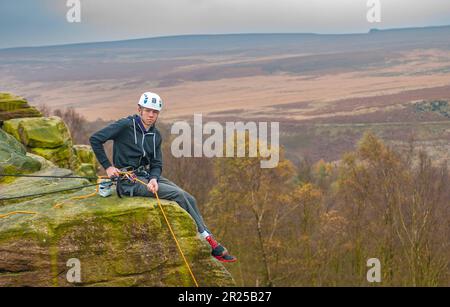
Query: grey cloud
pixel 119 19
pixel 162 17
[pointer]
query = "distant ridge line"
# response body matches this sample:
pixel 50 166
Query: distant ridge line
pixel 188 36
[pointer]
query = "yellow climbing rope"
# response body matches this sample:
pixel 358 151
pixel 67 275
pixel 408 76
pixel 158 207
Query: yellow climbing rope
pixel 127 174
pixel 59 205
pixel 2 216
pixel 173 234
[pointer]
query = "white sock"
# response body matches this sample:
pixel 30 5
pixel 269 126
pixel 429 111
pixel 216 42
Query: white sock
pixel 204 234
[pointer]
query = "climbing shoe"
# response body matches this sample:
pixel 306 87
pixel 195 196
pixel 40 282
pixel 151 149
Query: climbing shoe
pixel 221 254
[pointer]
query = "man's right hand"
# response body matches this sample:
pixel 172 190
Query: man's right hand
pixel 112 172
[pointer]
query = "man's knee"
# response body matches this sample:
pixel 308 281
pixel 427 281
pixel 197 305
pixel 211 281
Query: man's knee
pixel 176 194
pixel 184 199
pixel 191 198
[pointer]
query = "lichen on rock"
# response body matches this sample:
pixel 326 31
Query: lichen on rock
pixel 14 159
pixel 88 165
pixel 48 137
pixel 12 106
pixel 118 241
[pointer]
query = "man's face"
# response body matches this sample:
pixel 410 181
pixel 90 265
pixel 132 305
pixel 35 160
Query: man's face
pixel 148 116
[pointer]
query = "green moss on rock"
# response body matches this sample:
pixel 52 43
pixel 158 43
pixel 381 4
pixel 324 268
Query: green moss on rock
pixel 13 158
pixel 12 106
pixel 44 132
pixel 49 138
pixel 12 127
pixel 60 156
pixel 119 242
pixel 11 102
pixel 85 153
pixel 86 169
pixel 86 164
pixel 44 162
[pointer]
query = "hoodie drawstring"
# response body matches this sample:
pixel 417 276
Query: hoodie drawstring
pixel 134 128
pixel 154 146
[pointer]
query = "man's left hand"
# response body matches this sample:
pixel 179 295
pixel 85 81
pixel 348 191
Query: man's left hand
pixel 152 186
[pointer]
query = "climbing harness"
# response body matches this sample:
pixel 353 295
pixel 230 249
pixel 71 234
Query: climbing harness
pixel 2 216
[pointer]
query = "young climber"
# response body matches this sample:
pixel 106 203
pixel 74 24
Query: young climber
pixel 137 147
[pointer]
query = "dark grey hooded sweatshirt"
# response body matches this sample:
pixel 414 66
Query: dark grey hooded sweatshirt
pixel 133 146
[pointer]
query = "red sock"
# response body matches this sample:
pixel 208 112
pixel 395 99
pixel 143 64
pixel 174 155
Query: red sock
pixel 211 241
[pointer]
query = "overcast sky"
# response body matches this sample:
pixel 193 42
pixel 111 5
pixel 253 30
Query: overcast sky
pixel 43 22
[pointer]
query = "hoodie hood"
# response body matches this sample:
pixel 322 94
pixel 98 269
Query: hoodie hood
pixel 139 122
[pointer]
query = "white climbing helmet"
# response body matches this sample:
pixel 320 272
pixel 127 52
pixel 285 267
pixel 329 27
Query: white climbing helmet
pixel 151 100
